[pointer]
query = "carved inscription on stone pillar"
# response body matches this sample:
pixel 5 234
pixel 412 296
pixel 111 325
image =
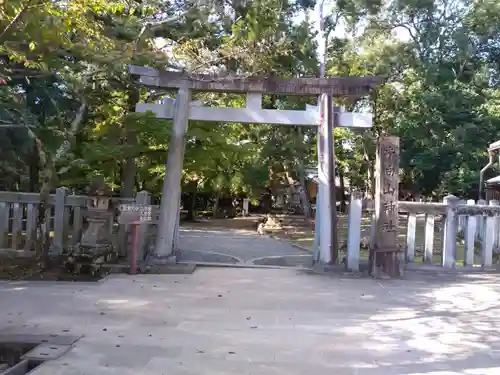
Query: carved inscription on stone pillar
pixel 386 192
pixel 385 257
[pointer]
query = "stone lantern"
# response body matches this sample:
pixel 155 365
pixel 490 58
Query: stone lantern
pixel 99 216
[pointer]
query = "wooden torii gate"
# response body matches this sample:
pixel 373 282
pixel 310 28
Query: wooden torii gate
pixel 182 109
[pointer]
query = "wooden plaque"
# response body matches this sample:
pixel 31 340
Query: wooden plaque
pixel 135 213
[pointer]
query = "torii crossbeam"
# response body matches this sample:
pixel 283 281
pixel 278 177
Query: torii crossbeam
pixel 182 109
pixel 254 114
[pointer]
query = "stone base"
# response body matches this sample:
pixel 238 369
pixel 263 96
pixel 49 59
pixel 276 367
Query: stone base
pixel 386 263
pixel 171 269
pixel 154 260
pixel 82 259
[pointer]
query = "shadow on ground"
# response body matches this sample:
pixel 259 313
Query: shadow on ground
pixel 265 321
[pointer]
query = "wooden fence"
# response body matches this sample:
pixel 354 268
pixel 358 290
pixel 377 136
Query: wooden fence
pixel 467 233
pixel 64 219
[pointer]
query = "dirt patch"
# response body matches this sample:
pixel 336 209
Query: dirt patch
pixel 247 224
pixel 292 228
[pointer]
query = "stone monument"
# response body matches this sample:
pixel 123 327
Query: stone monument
pixel 385 255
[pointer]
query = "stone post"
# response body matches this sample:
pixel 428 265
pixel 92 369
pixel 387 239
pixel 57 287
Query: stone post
pixel 384 256
pixel 489 239
pixel 354 234
pixel 449 254
pixel 60 205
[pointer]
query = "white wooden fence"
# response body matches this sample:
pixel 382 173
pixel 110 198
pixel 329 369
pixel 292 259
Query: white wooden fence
pixel 472 228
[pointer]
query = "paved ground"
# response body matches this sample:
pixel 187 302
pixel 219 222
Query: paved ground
pixel 264 322
pixel 237 247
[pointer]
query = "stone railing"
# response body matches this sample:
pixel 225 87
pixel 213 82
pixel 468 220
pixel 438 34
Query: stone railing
pixel 64 219
pixel 454 231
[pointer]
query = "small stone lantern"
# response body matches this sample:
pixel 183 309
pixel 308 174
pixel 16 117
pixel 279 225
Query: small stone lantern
pixel 98 215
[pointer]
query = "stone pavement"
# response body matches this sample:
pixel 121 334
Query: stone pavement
pixel 230 247
pixel 229 321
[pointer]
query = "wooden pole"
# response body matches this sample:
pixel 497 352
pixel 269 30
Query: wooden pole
pixel 169 208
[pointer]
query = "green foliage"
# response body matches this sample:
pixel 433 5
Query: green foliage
pixel 441 94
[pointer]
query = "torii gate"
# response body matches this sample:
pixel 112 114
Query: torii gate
pixel 182 109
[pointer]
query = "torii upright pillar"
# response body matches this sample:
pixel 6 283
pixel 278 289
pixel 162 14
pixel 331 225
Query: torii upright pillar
pixel 171 194
pixel 326 177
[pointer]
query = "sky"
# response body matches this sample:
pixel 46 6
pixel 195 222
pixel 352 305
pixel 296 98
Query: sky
pixel 340 32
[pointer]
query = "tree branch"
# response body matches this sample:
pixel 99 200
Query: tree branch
pixel 16 19
pixel 157 24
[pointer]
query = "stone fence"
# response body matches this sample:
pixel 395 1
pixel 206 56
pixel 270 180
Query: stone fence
pixel 67 218
pixel 452 233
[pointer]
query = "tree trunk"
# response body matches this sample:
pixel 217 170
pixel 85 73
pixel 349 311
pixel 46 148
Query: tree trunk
pixel 191 201
pixel 34 170
pixel 128 177
pixel 304 193
pixel 215 207
pixel 343 197
pixel 129 167
pixel 304 199
pixel 116 174
pixel 192 208
pixel 273 184
pixel 137 184
pixel 50 177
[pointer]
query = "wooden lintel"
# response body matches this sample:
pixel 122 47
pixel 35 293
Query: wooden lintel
pixel 335 86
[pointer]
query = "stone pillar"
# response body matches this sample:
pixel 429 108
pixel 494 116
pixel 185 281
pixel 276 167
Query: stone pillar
pixel 385 255
pixel 324 145
pixel 169 208
pixel 449 253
